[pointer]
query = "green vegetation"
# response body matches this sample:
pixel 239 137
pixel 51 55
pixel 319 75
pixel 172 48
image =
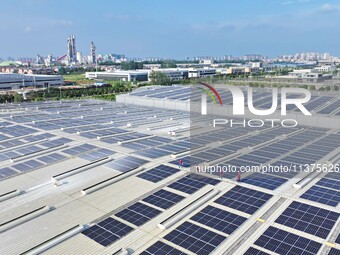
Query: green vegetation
pixel 6 98
pixel 18 98
pixel 107 93
pixel 159 78
pixel 76 79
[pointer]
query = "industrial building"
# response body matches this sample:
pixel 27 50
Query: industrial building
pixel 71 49
pixel 95 177
pixel 174 74
pixel 119 75
pixel 304 75
pixel 12 81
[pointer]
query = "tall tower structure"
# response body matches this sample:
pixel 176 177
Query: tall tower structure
pixel 93 52
pixel 71 49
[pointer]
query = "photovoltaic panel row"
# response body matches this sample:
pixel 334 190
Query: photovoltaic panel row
pixel 51 158
pixel 11 143
pixel 146 143
pixel 80 129
pixel 123 138
pixel 219 219
pixel 96 155
pixel 313 104
pixel 17 130
pixel 191 183
pixel 162 249
pixel 285 243
pixel 334 251
pixel 158 173
pixel 55 143
pixel 329 183
pixel 22 151
pixel 152 153
pixel 79 149
pixel 264 180
pixel 322 195
pixel 309 219
pixel 253 251
pixel 338 239
pixel 35 138
pixel 163 199
pixel 126 164
pixel 138 213
pixel 102 132
pixel 243 199
pixel 107 231
pixel 330 108
pixel 7 172
pixel 3 137
pixel 333 175
pixel 195 238
pixel 27 165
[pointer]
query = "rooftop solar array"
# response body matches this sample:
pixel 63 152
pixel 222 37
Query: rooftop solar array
pixel 309 219
pixel 88 143
pixel 262 97
pixel 126 164
pixel 219 219
pixel 163 199
pixel 162 248
pixel 158 173
pixel 243 199
pixel 107 231
pixel 138 213
pixel 191 183
pixel 283 242
pixel 195 238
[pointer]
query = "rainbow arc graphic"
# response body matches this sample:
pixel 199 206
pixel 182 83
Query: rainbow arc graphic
pixel 211 92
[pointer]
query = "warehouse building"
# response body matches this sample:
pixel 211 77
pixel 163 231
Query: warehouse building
pixel 11 81
pixel 96 177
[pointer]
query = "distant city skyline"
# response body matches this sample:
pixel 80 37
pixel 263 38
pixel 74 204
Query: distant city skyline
pixel 170 28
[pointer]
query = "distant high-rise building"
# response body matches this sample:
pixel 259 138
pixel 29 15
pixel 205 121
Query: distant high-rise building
pixel 93 53
pixel 79 57
pixel 71 49
pixel 49 60
pixel 39 60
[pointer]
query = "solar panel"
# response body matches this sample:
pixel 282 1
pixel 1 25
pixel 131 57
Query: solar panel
pixel 27 165
pixel 322 195
pixel 163 199
pixel 7 172
pixel 218 219
pixel 253 251
pixel 96 155
pixel 264 181
pixel 152 153
pixel 334 251
pixel 138 213
pixel 338 239
pixel 333 175
pixel 126 164
pixel 107 231
pixel 79 149
pixel 51 158
pixel 191 183
pixel 309 219
pixel 243 199
pixel 195 238
pixel 158 173
pixel 285 243
pixel 329 183
pixel 162 249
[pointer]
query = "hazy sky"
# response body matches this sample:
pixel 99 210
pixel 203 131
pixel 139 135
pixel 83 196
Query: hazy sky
pixel 170 28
